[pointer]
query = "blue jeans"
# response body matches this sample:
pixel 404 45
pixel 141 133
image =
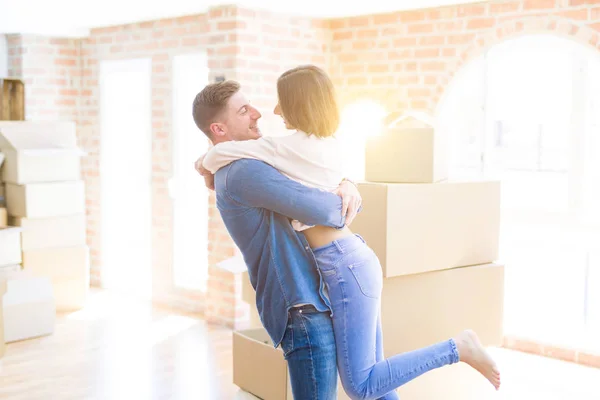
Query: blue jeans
pixel 353 277
pixel 309 348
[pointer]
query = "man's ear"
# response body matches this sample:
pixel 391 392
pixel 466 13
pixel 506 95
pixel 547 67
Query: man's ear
pixel 218 129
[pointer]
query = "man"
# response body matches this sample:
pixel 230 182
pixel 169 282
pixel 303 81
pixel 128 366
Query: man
pixel 256 203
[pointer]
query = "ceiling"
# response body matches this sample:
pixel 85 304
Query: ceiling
pixel 77 17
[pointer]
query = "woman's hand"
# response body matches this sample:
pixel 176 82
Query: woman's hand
pixel 351 200
pixel 209 179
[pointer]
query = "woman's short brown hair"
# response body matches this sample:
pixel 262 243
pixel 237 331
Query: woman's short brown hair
pixel 307 100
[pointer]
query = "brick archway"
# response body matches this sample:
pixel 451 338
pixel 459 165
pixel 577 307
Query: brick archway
pixel 579 33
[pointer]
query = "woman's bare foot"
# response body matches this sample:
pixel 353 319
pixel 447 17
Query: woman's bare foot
pixel 472 352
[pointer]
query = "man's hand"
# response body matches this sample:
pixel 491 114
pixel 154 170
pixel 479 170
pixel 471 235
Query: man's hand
pixel 209 179
pixel 351 200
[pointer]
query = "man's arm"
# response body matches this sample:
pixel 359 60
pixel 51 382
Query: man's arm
pixel 256 184
pixel 222 154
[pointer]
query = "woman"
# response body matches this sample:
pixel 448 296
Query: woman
pixel 351 270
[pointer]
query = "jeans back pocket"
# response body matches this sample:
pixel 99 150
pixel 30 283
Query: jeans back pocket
pixel 369 277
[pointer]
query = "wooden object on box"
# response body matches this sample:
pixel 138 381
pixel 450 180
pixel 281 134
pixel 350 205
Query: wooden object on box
pixel 12 100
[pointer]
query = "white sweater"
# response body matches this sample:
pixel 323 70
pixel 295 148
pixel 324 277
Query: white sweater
pixel 307 159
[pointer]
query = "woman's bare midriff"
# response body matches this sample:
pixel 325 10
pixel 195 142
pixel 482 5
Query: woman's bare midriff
pixel 318 236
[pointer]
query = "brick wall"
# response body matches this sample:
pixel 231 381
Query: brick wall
pixel 405 60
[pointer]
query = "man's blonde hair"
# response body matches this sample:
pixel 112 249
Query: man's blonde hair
pixel 307 100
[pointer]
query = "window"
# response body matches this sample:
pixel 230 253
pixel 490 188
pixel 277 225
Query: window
pixel 527 113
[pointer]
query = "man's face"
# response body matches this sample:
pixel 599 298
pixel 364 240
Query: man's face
pixel 240 121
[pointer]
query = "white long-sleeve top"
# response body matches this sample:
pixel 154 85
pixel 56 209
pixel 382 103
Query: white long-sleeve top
pixel 307 159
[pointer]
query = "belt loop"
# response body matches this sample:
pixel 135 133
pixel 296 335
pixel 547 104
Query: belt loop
pixel 337 244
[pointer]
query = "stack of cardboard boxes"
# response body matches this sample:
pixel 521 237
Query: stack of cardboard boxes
pixel 437 241
pixel 45 198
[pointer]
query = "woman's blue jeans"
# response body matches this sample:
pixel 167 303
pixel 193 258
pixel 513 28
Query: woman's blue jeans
pixel 354 281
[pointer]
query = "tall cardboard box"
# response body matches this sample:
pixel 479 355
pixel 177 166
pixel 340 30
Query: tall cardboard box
pixel 38 152
pixel 28 308
pixel 423 309
pixel 45 200
pixel 406 155
pixel 68 270
pixel 3 217
pixel 45 233
pixel 415 228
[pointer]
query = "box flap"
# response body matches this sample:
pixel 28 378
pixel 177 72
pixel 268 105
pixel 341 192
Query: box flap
pixel 20 135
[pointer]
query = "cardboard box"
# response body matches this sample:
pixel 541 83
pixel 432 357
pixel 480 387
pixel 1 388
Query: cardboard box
pixel 45 200
pixel 3 217
pixel 28 308
pixel 270 381
pixel 38 153
pixel 10 246
pixel 69 271
pixel 424 309
pixel 2 340
pixel 406 155
pixel 44 233
pixel 415 228
pixel 249 296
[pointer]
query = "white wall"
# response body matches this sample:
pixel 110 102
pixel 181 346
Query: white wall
pixel 3 57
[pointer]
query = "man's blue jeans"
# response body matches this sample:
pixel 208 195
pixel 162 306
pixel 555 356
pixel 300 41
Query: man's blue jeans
pixel 309 348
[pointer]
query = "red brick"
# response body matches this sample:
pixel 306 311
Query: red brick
pixel 595 14
pixel 430 80
pixel 432 40
pixel 66 62
pixel 405 41
pixel 383 19
pixel 460 39
pixel 382 80
pixel 481 23
pixel 449 52
pixel 190 41
pixel 356 22
pixel 357 80
pixel 353 69
pixel 367 33
pixel 583 2
pixel 399 55
pixel 338 23
pixel 412 16
pixel 500 8
pixel 378 68
pixel 581 14
pixel 433 66
pixel 420 28
pixel 363 44
pixel 342 35
pixel 471 11
pixel 595 26
pixel 452 26
pixel 230 25
pixel 427 53
pixel 538 4
pixel 418 92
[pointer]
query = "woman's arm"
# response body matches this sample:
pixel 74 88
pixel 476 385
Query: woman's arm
pixel 222 154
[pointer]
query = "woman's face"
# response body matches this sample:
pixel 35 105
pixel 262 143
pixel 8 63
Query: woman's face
pixel 277 111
